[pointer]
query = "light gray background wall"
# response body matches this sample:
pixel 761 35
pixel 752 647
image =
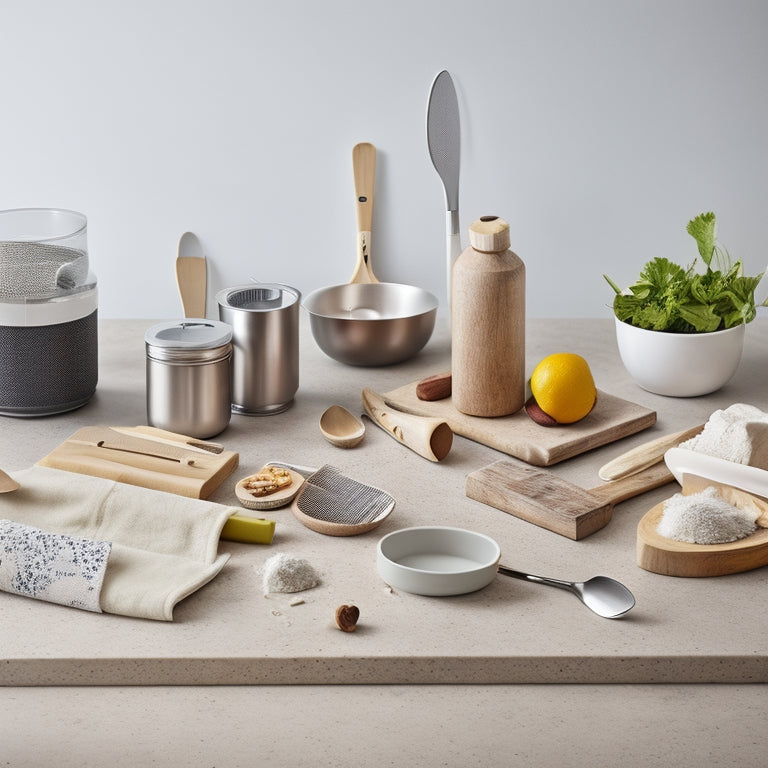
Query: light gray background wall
pixel 597 128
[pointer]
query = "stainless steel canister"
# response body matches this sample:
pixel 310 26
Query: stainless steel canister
pixel 265 339
pixel 189 376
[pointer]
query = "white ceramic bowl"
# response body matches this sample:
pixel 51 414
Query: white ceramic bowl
pixel 437 560
pixel 679 364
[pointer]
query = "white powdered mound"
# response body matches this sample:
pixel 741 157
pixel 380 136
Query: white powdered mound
pixel 704 518
pixel 286 573
pixel 739 434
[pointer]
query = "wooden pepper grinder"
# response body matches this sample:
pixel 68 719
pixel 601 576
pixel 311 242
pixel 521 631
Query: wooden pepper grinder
pixel 488 323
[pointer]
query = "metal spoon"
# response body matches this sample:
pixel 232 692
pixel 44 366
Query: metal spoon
pixel 606 597
pixel 7 483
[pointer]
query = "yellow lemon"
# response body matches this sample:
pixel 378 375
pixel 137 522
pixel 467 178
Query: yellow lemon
pixel 563 387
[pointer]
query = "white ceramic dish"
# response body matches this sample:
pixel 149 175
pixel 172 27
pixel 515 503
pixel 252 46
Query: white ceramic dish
pixel 437 560
pixel 682 461
pixel 679 364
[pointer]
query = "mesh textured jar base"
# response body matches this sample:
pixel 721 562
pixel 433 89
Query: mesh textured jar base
pixel 48 369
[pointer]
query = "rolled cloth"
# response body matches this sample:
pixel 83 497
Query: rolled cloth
pixel 164 547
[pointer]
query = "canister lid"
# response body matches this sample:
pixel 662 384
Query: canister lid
pixel 258 297
pixel 190 334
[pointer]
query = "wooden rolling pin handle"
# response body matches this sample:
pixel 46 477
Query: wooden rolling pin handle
pixel 645 455
pixel 633 485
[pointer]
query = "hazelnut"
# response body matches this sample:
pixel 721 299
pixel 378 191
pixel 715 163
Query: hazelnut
pixel 346 617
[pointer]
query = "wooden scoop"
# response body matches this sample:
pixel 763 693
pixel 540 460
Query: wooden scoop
pixel 341 428
pixel 429 437
pixel 542 498
pixel 7 483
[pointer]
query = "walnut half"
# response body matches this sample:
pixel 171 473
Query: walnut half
pixel 268 480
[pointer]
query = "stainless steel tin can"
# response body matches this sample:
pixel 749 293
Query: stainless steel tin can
pixel 265 340
pixel 189 376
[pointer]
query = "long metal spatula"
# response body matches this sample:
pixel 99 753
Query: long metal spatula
pixel 444 142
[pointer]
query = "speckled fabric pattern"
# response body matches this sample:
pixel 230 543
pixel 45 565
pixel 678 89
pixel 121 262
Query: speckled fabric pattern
pixel 164 547
pixel 52 567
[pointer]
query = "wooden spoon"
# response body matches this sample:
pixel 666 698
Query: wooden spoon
pixel 341 428
pixel 191 275
pixel 7 483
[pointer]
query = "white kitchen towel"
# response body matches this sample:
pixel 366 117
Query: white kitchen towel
pixel 164 546
pixel 49 566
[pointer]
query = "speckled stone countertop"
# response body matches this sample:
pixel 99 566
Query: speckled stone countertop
pixel 681 630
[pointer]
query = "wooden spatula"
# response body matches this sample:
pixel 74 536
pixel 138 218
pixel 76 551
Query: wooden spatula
pixel 544 499
pixel 191 275
pixel 364 169
pixel 110 440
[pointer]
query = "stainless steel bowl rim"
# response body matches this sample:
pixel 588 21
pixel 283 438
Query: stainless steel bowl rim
pixel 430 302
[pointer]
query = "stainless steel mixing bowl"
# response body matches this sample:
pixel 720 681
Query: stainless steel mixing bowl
pixel 371 324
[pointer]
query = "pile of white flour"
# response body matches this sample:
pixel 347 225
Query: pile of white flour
pixel 288 573
pixel 738 434
pixel 704 518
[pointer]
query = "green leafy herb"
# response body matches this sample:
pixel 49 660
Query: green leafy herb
pixel 668 297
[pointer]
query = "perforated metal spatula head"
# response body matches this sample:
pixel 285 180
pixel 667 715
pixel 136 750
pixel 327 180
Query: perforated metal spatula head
pixel 444 135
pixel 444 142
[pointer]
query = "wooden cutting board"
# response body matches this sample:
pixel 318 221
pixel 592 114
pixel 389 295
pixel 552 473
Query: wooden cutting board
pixel 132 456
pixel 540 497
pixel 668 557
pixel 517 435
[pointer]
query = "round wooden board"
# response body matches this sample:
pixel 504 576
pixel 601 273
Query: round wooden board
pixel 274 500
pixel 668 557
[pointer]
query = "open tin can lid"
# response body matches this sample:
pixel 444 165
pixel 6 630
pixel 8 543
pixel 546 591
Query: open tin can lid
pixel 190 339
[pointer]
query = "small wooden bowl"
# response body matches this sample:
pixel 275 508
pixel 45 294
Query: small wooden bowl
pixel 274 500
pixel 341 428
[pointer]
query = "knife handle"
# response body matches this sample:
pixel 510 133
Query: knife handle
pixel 453 244
pixel 249 530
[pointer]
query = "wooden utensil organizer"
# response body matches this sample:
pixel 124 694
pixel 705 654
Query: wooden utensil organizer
pixel 145 456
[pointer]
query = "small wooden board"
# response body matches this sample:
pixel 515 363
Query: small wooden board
pixel 668 557
pixel 517 435
pixel 195 473
pixel 538 496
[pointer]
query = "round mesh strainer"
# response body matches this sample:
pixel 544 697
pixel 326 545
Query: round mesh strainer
pixel 37 269
pixel 255 298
